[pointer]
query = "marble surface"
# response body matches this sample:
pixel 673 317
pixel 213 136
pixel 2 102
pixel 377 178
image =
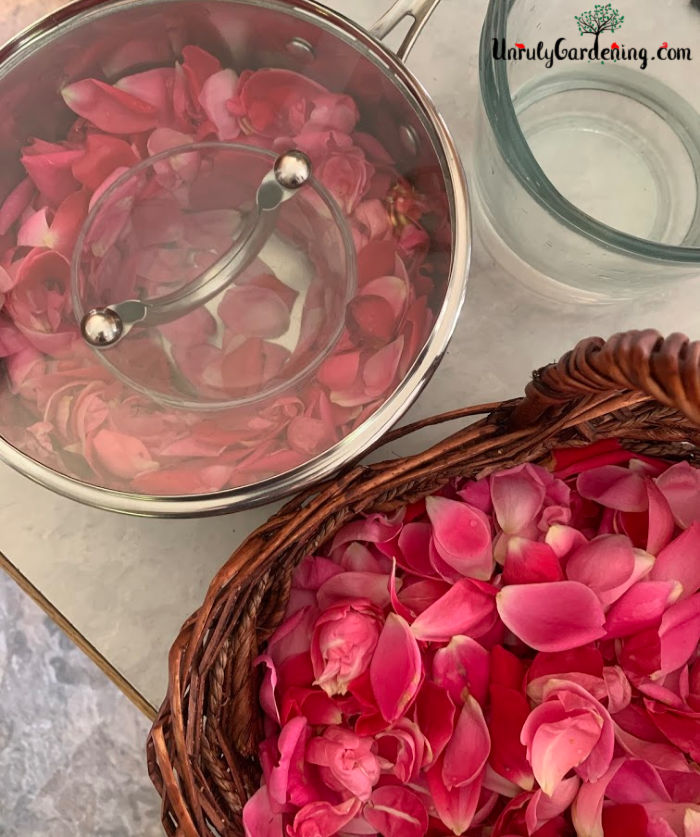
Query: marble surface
pixel 128 584
pixel 71 745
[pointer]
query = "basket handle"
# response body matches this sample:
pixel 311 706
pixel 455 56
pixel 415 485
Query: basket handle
pixel 666 369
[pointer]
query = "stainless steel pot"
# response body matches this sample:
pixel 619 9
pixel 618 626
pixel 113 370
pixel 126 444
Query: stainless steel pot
pixel 109 39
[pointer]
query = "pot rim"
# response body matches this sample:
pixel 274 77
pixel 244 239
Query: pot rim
pixel 351 447
pixel 515 150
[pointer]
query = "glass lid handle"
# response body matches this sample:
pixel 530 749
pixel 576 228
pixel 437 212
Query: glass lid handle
pixel 104 327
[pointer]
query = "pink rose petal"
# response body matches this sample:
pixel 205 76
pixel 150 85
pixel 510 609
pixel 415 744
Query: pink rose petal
pixel 517 494
pixel 657 753
pixel 103 155
pixel 334 112
pixel 639 608
pixel 462 536
pixel 375 528
pixel 680 561
pixel 291 743
pixel 529 562
pixel 542 808
pixel 315 706
pixel 680 485
pixel 293 636
pixel 108 108
pixel 563 539
pixel 618 688
pixel 465 756
pixel 11 339
pixel 349 585
pixel 435 714
pixel 664 819
pixel 321 819
pixel 413 543
pixel 509 710
pixel 397 606
pixel 344 643
pixel 455 807
pixel 391 288
pixel 193 329
pixel 478 494
pixel 50 168
pixel 254 312
pixel 313 572
pixel 68 222
pixel 462 668
pixel 373 316
pixel 691 822
pixel 356 557
pixel 681 728
pixel 552 617
pixel 401 750
pixel 216 92
pixel 609 565
pixel 199 64
pixel 614 487
pixel 636 781
pixel 122 455
pixel 259 818
pixel 396 669
pixel 35 232
pixel 15 204
pixel 395 811
pixel 420 595
pixel 155 87
pixel 275 101
pixel 558 741
pixel 679 633
pixel 660 520
pixel 267 689
pixel 347 761
pixel 604 563
pixel 340 371
pixel 310 436
pixel 587 808
pixel 379 371
pixel 466 608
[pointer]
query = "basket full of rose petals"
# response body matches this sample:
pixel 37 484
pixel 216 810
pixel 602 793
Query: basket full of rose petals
pixel 498 636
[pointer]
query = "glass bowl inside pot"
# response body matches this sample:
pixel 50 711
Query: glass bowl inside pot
pixel 245 299
pixel 155 424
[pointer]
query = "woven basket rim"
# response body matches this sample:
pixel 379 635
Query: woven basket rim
pixel 637 387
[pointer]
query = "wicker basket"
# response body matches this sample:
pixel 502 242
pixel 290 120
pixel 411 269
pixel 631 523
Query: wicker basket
pixel 202 751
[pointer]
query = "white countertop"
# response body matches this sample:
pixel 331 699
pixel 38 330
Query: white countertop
pixel 128 584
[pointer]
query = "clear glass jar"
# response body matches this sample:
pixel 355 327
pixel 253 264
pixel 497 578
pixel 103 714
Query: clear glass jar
pixel 588 163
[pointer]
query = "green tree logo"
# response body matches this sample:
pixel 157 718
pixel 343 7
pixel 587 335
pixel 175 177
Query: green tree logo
pixel 602 18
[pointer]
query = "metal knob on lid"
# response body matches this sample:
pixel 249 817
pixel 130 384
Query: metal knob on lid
pixel 102 327
pixel 292 169
pixel 105 326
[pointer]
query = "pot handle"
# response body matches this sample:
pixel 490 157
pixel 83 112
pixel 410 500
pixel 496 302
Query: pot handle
pixel 418 10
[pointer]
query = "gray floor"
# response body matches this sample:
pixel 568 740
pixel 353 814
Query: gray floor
pixel 71 745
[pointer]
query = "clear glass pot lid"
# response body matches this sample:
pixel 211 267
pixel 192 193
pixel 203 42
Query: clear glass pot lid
pixel 214 275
